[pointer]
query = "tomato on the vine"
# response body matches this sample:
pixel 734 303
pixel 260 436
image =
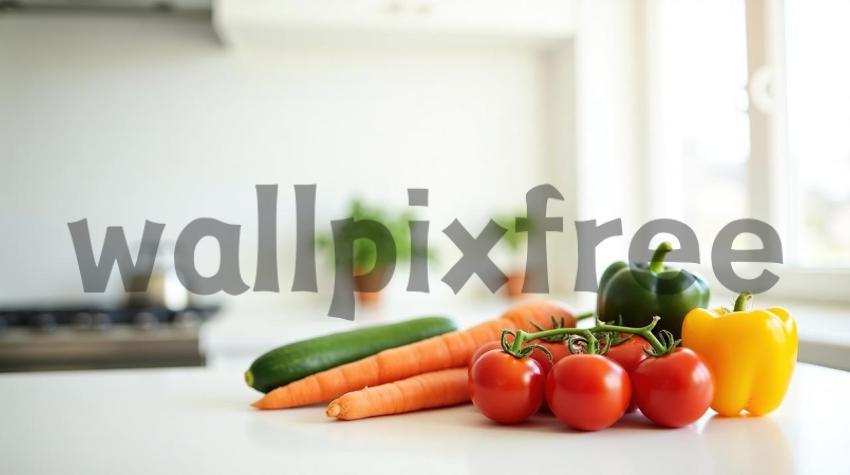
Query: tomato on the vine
pixel 505 388
pixel 543 360
pixel 537 354
pixel 479 352
pixel 629 354
pixel 673 390
pixel 588 391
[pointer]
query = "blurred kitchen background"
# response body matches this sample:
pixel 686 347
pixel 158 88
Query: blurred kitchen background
pixel 120 111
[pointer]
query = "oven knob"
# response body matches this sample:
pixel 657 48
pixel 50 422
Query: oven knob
pixel 44 322
pixel 12 319
pixel 187 319
pixel 101 321
pixel 145 320
pixel 82 320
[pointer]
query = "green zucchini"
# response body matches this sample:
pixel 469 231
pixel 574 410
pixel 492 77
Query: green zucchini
pixel 297 360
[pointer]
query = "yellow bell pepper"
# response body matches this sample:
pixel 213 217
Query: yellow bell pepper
pixel 751 354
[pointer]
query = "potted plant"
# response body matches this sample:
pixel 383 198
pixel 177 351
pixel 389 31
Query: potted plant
pixel 365 256
pixel 515 242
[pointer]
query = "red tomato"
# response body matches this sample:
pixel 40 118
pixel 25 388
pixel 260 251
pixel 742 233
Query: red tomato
pixel 490 345
pixel 538 355
pixel 673 390
pixel 588 392
pixel 543 360
pixel 629 354
pixel 506 389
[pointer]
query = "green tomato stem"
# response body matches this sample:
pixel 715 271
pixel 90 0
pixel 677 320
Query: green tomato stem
pixel 516 346
pixel 585 315
pixel 522 337
pixel 645 332
pixel 588 333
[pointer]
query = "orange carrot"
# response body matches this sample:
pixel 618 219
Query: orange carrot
pixel 437 389
pixel 450 350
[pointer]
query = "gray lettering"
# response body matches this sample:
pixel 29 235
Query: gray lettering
pixel 475 259
pixel 266 279
pixel 537 224
pixel 345 232
pixel 588 236
pixel 722 255
pixel 227 278
pixel 304 279
pixel 134 276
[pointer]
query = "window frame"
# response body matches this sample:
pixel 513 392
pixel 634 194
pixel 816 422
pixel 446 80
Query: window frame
pixel 770 176
pixel 769 173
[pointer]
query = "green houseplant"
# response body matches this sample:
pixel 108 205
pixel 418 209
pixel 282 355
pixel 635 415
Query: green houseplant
pixel 365 256
pixel 515 242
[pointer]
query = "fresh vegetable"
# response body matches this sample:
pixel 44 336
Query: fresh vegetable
pixel 673 387
pixel 437 389
pixel 545 360
pixel 506 389
pixel 451 350
pixel 750 352
pixel 553 349
pixel 542 358
pixel 639 291
pixel 556 352
pixel 673 390
pixel 479 352
pixel 556 344
pixel 296 360
pixel 588 391
pixel 628 353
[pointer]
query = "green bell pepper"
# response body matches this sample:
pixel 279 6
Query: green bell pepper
pixel 639 291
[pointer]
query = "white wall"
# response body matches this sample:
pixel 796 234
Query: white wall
pixel 122 118
pixel 610 125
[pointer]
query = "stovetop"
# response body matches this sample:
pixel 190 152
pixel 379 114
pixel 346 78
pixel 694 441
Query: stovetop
pixel 95 337
pixel 46 319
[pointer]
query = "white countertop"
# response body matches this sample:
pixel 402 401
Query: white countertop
pixel 198 421
pixel 237 336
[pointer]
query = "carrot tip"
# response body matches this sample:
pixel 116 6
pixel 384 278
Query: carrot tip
pixel 257 404
pixel 333 409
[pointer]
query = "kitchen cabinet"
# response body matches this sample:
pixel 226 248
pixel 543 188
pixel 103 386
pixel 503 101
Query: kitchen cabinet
pixel 521 21
pixel 198 421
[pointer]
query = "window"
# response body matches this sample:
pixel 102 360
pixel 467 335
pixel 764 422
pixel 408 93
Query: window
pixel 700 141
pixel 817 76
pixel 749 115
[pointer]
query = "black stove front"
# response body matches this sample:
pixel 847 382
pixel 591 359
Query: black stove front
pixel 77 337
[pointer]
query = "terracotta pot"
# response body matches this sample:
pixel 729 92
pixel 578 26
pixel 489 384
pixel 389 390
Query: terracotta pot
pixel 367 298
pixel 513 287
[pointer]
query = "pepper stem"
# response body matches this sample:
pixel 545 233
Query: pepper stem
pixel 656 265
pixel 743 302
